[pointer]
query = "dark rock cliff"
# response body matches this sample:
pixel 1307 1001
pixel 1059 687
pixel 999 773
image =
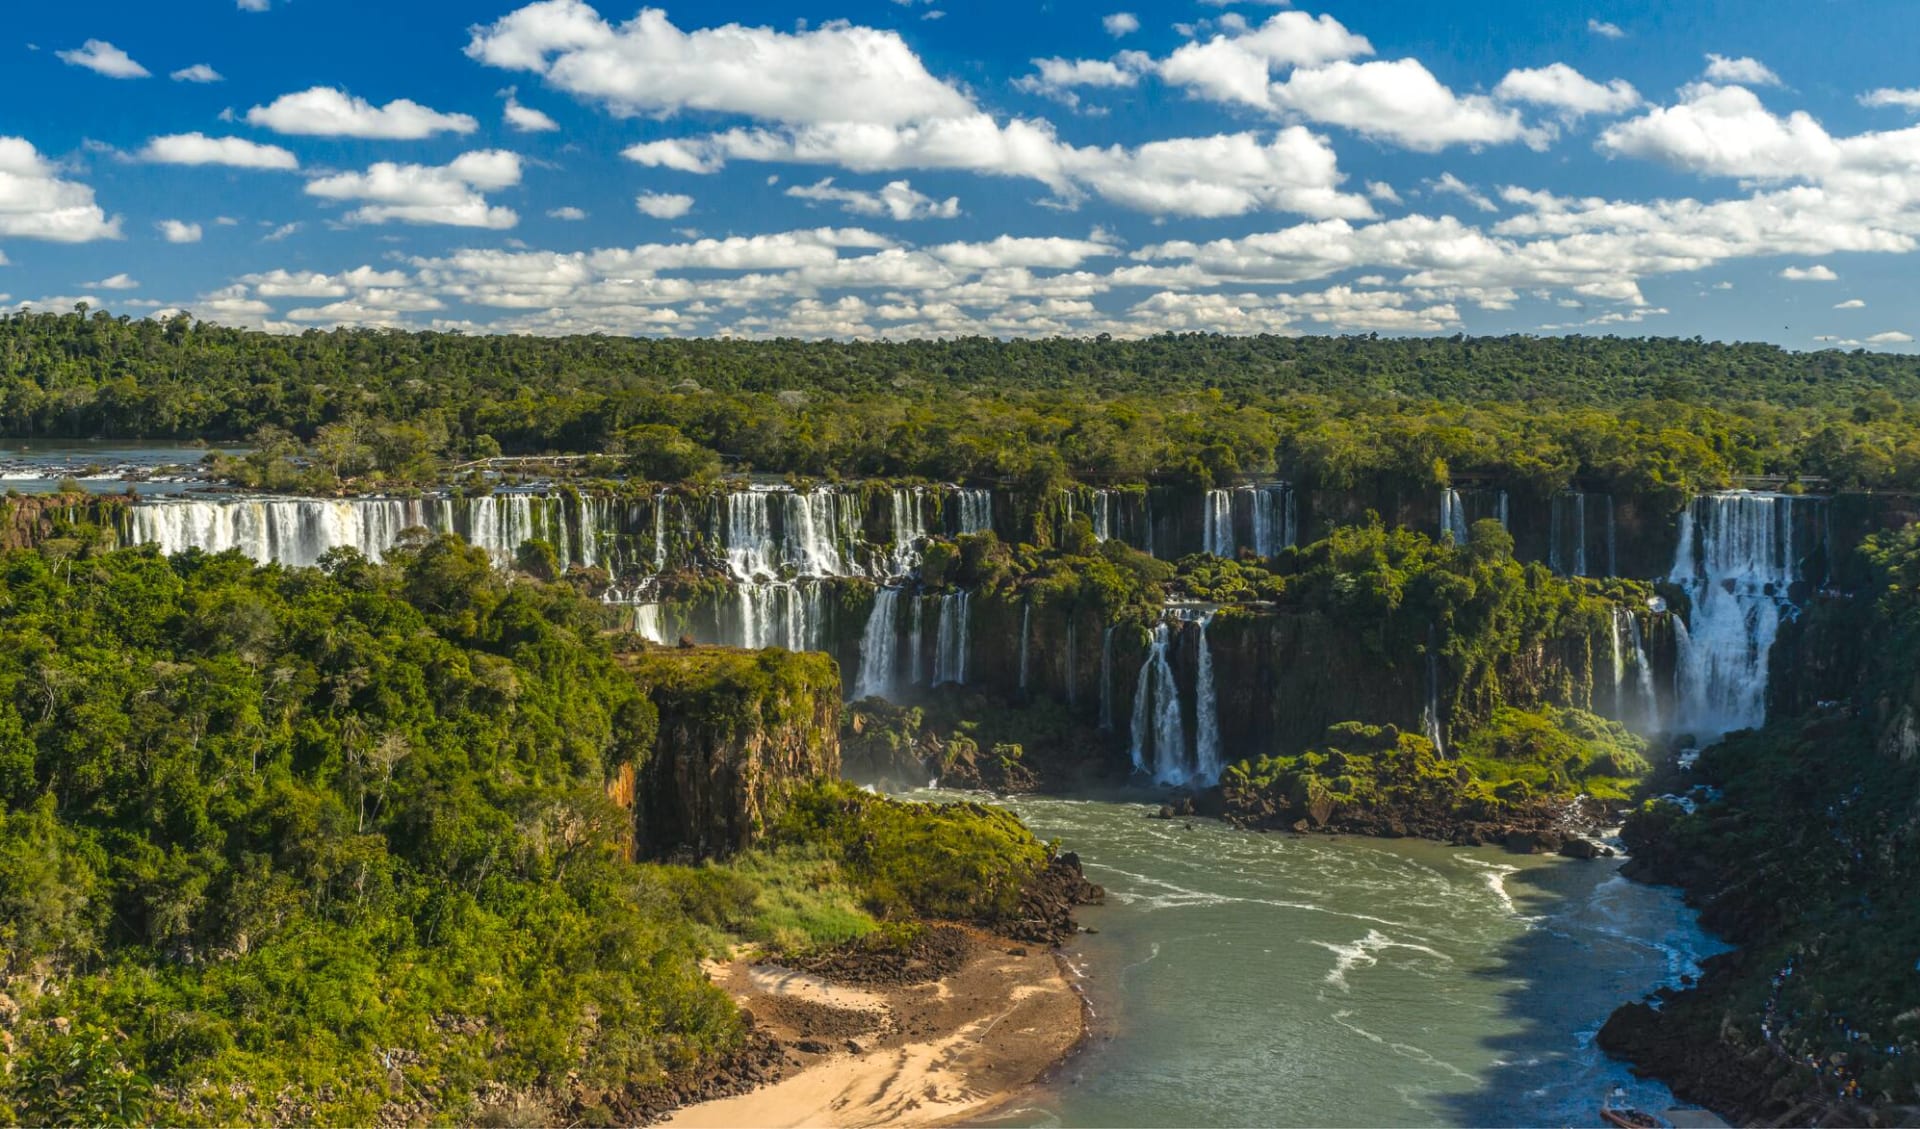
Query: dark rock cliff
pixel 738 730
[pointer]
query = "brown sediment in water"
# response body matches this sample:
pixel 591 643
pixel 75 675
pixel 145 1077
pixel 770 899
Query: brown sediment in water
pixel 899 1050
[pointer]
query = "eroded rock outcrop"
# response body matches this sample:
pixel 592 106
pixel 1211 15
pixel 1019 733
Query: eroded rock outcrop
pixel 738 730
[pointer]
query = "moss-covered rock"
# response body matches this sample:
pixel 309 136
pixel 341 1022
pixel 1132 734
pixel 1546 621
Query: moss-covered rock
pixel 1519 781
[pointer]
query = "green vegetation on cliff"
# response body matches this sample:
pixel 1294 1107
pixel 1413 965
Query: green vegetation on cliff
pixel 348 845
pixel 1519 770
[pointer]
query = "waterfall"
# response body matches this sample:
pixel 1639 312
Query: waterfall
pixel 909 525
pixel 1569 516
pixel 813 530
pixel 916 637
pixel 1430 714
pixel 1026 629
pixel 976 510
pixel 1737 576
pixel 748 536
pixel 297 532
pixel 965 658
pixel 300 530
pixel 1580 541
pixel 647 623
pixel 878 644
pixel 659 533
pixel 1102 514
pixel 1500 508
pixel 1272 506
pixel 1156 715
pixel 1106 678
pixel 951 642
pixel 1649 703
pixel 1619 664
pixel 1206 715
pixel 1453 516
pixel 1218 528
pixel 773 614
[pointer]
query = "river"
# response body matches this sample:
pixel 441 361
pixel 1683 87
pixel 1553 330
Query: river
pixel 1247 979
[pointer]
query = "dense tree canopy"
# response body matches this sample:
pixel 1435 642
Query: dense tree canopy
pixel 1634 414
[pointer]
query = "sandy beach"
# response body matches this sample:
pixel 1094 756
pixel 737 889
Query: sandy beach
pixel 901 1054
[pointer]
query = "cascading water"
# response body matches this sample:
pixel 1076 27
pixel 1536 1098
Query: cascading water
pixel 297 532
pixel 1217 531
pixel 747 536
pixel 1101 514
pixel 1268 510
pixel 1106 679
pixel 909 524
pixel 659 533
pixel 1206 715
pixel 1619 664
pixel 814 529
pixel 647 623
pixel 1272 506
pixel 1649 702
pixel 878 645
pixel 1026 630
pixel 1453 516
pixel 916 640
pixel 952 643
pixel 1738 577
pixel 790 615
pixel 1430 722
pixel 1642 714
pixel 1156 714
pixel 976 510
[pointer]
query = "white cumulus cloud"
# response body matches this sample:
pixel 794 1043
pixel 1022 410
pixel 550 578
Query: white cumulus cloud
pixel 198 72
pixel 179 231
pixel 526 119
pixel 1402 102
pixel 1120 23
pixel 897 200
pixel 1814 273
pixel 199 149
pixel 37 203
pixel 324 111
pixel 1890 96
pixel 1559 86
pixel 450 194
pixel 835 73
pixel 101 57
pixel 1744 71
pixel 663 205
pixel 113 282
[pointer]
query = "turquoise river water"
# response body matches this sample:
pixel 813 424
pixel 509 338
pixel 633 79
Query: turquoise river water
pixel 1246 979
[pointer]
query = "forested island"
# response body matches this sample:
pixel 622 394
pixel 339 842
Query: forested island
pixel 408 763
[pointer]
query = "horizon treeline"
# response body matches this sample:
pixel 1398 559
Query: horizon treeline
pixel 370 407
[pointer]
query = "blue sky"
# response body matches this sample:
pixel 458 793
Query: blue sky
pixel 934 168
